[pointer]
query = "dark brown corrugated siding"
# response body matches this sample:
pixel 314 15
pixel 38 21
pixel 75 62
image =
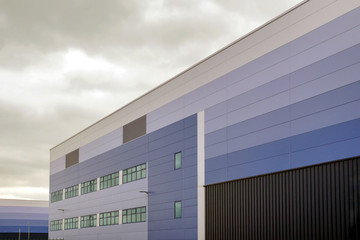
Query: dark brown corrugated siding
pixel 317 202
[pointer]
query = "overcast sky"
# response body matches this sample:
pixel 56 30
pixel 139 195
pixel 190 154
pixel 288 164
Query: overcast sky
pixel 66 64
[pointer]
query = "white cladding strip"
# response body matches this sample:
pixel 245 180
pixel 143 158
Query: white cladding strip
pixel 201 174
pixel 290 26
pixel 23 203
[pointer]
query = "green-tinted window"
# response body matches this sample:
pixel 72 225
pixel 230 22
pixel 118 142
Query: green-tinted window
pixel 134 215
pixel 134 173
pixel 56 225
pixel 109 218
pixel 89 186
pixel 109 180
pixel 177 160
pixel 57 196
pixel 177 209
pixel 72 191
pixel 88 221
pixel 71 223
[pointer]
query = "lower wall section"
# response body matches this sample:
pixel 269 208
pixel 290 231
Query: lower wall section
pixel 23 235
pixel 323 145
pixel 167 185
pixel 318 202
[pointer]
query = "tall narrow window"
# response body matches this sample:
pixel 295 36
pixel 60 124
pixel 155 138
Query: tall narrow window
pixel 177 209
pixel 177 160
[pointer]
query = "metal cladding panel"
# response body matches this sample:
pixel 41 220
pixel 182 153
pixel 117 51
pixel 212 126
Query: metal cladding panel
pixel 101 145
pixel 257 80
pixel 21 215
pixel 326 144
pixel 167 185
pixel 57 165
pixel 122 157
pixel 317 202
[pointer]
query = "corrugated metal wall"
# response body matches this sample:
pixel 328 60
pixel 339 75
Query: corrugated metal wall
pixel 317 202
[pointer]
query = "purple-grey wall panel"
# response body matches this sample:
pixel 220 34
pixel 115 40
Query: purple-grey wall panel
pixel 324 136
pixel 22 222
pixel 217 136
pixel 167 185
pixel 329 30
pixel 272 149
pixel 326 153
pixel 326 144
pixel 338 43
pixel 323 110
pixel 24 229
pixel 34 216
pixel 272 65
pixel 322 68
pixel 157 149
pixel 215 111
pixel 330 64
pixel 327 100
pixel 326 118
pixel 19 209
pixel 268 165
pixel 264 91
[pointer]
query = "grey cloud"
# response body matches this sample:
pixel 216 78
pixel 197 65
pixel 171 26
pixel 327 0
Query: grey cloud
pixel 151 40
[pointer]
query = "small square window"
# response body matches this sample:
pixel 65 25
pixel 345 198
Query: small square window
pixel 177 209
pixel 177 160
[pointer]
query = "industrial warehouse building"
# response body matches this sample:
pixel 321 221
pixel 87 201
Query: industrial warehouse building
pixel 260 140
pixel 23 219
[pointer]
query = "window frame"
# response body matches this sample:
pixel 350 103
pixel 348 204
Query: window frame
pixel 56 225
pixel 110 180
pixel 109 218
pixel 135 173
pixel 57 196
pixel 176 160
pixel 72 191
pixel 134 215
pixel 176 207
pixel 89 186
pixel 88 221
pixel 71 223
